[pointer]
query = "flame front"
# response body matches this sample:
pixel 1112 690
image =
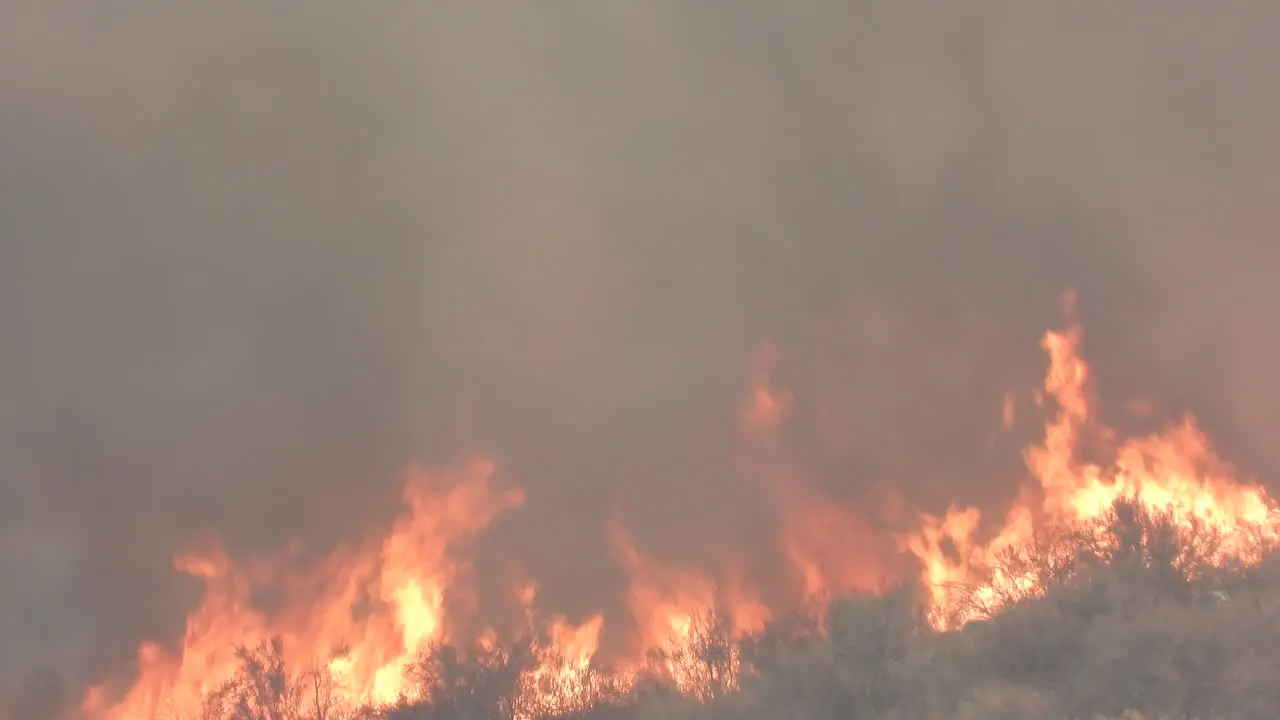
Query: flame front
pixel 1174 474
pixel 369 610
pixel 363 614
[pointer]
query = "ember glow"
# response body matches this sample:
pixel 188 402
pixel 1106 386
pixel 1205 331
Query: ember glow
pixel 365 613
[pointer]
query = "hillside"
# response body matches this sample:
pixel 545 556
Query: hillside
pixel 1138 624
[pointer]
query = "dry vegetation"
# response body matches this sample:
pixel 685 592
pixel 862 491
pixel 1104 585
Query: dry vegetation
pixel 1135 622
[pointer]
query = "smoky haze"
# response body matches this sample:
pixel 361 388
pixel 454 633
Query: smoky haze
pixel 255 258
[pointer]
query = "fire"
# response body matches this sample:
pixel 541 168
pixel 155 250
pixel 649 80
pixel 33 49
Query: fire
pixel 320 620
pixel 675 607
pixel 353 622
pixel 1175 473
pixel 563 680
pixel 827 542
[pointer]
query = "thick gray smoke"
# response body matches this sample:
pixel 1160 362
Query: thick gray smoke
pixel 256 257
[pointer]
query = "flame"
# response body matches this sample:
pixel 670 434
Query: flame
pixel 364 615
pixel 404 578
pixel 564 679
pixel 686 621
pixel 366 612
pixel 828 542
pixel 1008 411
pixel 665 601
pixel 1175 474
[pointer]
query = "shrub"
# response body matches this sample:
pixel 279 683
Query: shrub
pixel 1133 617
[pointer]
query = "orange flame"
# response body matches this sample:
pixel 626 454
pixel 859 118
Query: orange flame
pixel 827 542
pixel 407 575
pixel 370 609
pixel 563 680
pixel 1175 473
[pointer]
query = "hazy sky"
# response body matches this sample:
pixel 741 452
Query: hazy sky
pixel 256 257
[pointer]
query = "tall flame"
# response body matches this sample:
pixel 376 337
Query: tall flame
pixel 827 542
pixel 368 610
pixel 1175 474
pixel 403 579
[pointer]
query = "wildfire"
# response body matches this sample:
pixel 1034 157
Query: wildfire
pixel 1174 474
pixel 367 612
pixel 826 541
pixel 320 622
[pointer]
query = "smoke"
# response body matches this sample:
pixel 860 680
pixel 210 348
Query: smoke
pixel 255 258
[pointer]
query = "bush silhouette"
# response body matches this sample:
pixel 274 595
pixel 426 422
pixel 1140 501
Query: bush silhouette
pixel 1134 616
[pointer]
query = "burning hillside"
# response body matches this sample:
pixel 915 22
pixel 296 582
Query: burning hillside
pixel 360 617
pixel 1175 473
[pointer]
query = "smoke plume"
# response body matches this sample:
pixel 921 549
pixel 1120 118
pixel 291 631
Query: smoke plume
pixel 256 258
